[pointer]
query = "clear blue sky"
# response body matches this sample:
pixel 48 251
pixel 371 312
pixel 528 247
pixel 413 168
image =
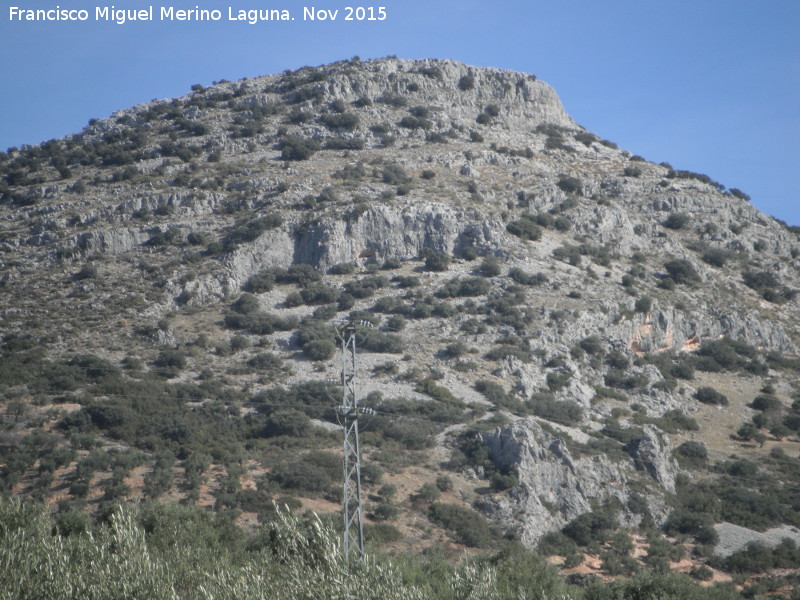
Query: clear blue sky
pixel 711 86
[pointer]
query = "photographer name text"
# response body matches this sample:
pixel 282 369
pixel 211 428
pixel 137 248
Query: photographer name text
pixel 121 16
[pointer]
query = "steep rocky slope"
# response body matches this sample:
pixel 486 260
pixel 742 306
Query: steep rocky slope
pixel 547 308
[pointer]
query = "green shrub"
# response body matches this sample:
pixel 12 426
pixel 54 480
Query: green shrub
pixel 676 221
pixel 758 558
pixel 437 392
pixel 239 342
pixel 306 475
pixel 319 350
pixel 532 279
pixel 247 304
pixel 87 271
pixel 366 286
pixel 171 357
pixel 560 411
pixel 342 269
pixel 681 271
pixel 766 403
pixel 410 435
pixel 632 172
pixel 716 257
pixel 766 284
pixel 589 527
pixel 395 174
pixel 747 432
pixel 742 468
pixel 502 482
pixel 393 99
pixel 288 421
pixel 444 483
pixel 556 543
pixel 695 452
pixel 467 526
pixel 340 121
pixel 247 231
pixel 263 281
pixel 496 394
pixel 429 492
pixel 319 293
pixel 260 323
pixel 302 274
pixel 297 147
pixel 469 287
pixel 317 340
pixel 570 184
pixel 505 350
pixel 750 508
pixel 643 304
pixel 467 82
pixel 435 260
pixel 489 267
pixel 708 395
pixel 456 349
pixel 727 354
pixel 592 345
pixel 676 420
pixel 525 228
pixel 379 341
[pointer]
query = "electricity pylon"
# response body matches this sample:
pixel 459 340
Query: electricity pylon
pixel 352 508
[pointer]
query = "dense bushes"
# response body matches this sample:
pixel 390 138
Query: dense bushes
pixel 435 260
pixel 727 354
pixel 185 553
pixel 681 271
pixel 532 279
pixel 766 403
pixel 750 508
pixel 560 411
pixel 313 473
pixel 261 323
pixel 340 121
pixel 766 284
pixel 379 341
pixel 708 395
pixel 692 453
pixel 297 147
pixel 589 527
pixel 570 185
pixel 497 395
pixel 525 228
pixel 468 287
pixel 466 526
pixel 716 257
pixel 158 419
pixel 758 558
pixel 676 221
pixel 317 340
pixel 249 230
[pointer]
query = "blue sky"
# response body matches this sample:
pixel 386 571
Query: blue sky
pixel 711 86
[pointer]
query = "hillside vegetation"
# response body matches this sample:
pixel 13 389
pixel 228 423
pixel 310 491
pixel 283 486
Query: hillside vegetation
pixel 564 350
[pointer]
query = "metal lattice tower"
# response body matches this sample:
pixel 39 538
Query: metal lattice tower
pixel 352 508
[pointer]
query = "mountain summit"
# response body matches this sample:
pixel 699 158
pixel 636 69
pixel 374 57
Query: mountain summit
pixel 566 339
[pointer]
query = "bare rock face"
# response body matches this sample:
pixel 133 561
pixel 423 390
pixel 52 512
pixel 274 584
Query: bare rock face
pixel 668 329
pixel 395 232
pixel 553 487
pixel 525 100
pixel 653 453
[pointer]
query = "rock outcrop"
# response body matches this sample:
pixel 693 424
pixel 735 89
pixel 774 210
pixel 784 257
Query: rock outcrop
pixel 553 486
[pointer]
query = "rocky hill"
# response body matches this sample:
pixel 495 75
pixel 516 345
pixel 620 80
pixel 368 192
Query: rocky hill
pixel 565 338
